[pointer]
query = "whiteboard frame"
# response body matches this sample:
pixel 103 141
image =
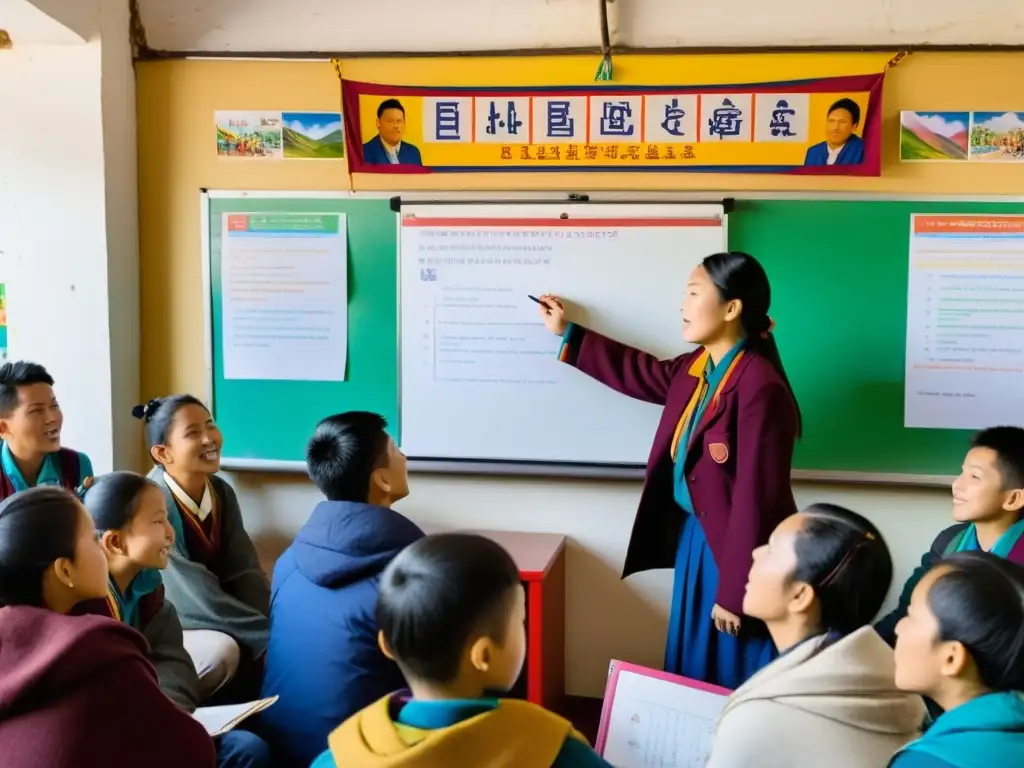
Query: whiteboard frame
pixel 520 467
pixel 563 470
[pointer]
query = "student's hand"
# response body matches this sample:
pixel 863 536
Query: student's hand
pixel 724 621
pixel 552 312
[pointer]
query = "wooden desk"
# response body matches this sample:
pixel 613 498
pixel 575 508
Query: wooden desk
pixel 540 558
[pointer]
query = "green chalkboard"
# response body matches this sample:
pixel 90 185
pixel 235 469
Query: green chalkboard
pixel 839 272
pixel 269 422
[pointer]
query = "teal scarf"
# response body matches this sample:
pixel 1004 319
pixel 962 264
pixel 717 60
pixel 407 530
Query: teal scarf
pixel 969 540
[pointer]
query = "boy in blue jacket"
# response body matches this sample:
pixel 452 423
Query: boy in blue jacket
pixel 323 660
pixel 30 426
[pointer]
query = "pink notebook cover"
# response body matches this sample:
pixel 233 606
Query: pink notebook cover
pixel 617 667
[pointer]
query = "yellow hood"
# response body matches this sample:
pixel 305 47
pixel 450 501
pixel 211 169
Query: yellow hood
pixel 515 734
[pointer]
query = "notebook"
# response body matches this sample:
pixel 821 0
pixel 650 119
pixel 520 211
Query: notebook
pixel 220 720
pixel 653 719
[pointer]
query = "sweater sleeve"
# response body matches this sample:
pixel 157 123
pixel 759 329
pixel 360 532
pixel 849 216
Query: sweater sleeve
pixel 630 371
pixel 234 599
pixel 174 667
pixel 763 493
pixel 240 570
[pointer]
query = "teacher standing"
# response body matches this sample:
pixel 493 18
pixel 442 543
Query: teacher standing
pixel 718 476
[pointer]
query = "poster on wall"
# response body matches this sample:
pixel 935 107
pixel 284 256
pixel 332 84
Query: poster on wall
pixel 280 135
pixel 817 126
pixel 988 137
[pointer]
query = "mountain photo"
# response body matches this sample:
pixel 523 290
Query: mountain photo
pixel 934 136
pixel 313 135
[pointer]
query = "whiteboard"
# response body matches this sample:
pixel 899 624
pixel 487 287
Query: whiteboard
pixel 480 378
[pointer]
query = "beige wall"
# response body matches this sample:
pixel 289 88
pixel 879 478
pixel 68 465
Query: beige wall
pixel 176 101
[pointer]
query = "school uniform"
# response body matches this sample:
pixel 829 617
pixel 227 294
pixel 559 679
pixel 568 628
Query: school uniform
pixel 817 705
pixel 986 732
pixel 400 732
pixel 717 483
pixel 142 607
pixel 215 582
pixel 79 690
pixel 961 537
pixel 323 660
pixel 64 468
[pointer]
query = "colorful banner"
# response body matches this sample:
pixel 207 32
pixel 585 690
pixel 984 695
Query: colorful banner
pixel 817 126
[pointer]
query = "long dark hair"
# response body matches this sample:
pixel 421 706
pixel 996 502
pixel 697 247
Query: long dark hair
pixel 979 602
pixel 843 556
pixel 37 527
pixel 739 276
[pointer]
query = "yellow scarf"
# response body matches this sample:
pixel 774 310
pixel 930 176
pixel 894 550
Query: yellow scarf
pixel 698 369
pixel 515 734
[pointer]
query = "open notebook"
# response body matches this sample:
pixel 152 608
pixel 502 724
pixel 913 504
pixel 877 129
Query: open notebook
pixel 220 720
pixel 652 719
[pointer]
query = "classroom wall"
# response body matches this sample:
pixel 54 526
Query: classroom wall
pixel 606 617
pixel 457 25
pixel 68 243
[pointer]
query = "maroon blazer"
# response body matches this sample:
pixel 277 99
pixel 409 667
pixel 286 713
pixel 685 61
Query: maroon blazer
pixel 739 494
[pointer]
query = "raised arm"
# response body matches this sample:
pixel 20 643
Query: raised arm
pixel 763 496
pixel 632 372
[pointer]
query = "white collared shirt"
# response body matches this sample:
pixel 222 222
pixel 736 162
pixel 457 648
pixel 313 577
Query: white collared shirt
pixel 392 152
pixel 205 507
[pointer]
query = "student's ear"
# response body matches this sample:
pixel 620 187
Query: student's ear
pixel 381 480
pixel 5 429
pixel 954 659
pixel 802 598
pixel 1014 501
pixel 161 455
pixel 112 543
pixel 64 571
pixel 481 654
pixel 733 309
pixel 383 645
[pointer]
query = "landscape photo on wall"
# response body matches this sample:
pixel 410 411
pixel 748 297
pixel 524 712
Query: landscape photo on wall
pixel 934 136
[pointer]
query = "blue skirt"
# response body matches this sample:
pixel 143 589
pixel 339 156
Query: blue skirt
pixel 695 649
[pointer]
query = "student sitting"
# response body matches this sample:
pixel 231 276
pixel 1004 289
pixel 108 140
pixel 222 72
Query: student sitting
pixel 829 699
pixel 988 501
pixel 30 424
pixel 75 690
pixel 452 615
pixel 213 578
pixel 323 659
pixel 130 515
pixel 961 644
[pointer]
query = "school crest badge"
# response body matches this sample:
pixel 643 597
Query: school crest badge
pixel 719 452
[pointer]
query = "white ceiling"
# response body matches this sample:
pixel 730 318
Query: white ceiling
pixel 28 24
pixel 339 26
